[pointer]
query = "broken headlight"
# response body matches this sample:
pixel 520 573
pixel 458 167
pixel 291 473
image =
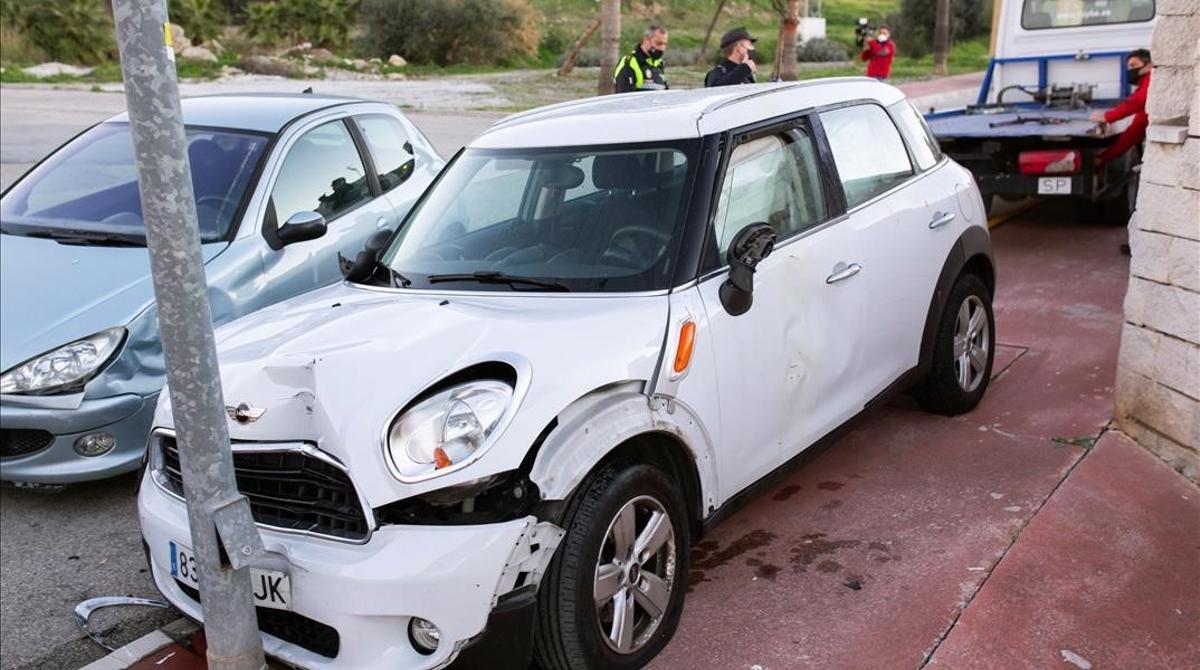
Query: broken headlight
pixel 446 430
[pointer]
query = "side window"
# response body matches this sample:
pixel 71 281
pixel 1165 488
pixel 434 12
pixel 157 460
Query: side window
pixel 924 147
pixel 771 179
pixel 322 173
pixel 867 150
pixel 387 140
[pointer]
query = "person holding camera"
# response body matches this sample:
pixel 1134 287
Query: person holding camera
pixel 737 48
pixel 878 52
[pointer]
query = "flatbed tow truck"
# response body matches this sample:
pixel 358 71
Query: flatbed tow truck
pixel 1029 132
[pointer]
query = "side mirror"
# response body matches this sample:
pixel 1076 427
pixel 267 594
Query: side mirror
pixel 302 226
pixel 367 260
pixel 752 244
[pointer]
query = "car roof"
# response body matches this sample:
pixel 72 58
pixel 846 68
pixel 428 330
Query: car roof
pixel 672 115
pixel 261 112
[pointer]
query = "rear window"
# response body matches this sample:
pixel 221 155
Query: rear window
pixel 1040 14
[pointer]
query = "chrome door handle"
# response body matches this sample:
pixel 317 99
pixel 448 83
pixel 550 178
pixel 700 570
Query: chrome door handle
pixel 842 271
pixel 940 219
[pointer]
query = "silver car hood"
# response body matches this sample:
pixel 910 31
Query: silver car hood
pixel 333 366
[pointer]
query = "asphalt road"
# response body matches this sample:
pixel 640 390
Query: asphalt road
pixel 59 549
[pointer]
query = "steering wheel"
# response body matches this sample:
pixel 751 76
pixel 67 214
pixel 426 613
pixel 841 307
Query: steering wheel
pixel 632 241
pixel 448 252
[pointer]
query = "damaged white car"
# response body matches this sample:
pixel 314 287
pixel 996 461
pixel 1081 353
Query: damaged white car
pixel 605 323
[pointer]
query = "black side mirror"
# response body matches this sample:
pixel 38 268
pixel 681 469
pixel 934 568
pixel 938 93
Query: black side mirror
pixel 367 260
pixel 752 244
pixel 302 226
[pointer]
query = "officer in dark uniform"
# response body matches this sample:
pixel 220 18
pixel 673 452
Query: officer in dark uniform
pixel 642 70
pixel 737 48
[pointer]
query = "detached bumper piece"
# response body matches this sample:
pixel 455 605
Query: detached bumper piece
pixel 287 489
pixel 290 627
pixel 507 641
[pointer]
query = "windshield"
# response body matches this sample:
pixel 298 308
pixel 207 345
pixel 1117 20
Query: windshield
pixel 1037 14
pixel 88 191
pixel 574 219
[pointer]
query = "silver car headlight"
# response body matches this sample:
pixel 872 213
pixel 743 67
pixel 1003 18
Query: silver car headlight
pixel 447 429
pixel 66 368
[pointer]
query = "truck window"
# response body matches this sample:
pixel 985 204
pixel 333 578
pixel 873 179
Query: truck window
pixel 1041 14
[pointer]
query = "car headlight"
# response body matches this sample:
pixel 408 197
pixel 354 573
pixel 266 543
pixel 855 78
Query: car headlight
pixel 66 368
pixel 447 428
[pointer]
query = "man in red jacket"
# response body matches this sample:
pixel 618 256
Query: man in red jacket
pixel 878 53
pixel 1138 72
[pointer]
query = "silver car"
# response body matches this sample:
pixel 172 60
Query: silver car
pixel 283 184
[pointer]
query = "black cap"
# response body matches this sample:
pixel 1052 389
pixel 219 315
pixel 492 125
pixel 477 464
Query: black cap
pixel 736 35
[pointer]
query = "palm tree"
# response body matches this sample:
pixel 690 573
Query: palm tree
pixel 610 43
pixel 941 37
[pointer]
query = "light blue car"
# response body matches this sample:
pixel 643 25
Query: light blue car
pixel 283 184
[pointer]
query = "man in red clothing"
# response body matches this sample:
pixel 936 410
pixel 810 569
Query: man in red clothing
pixel 878 53
pixel 1138 71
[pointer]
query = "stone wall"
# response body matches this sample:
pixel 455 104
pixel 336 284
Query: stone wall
pixel 1158 372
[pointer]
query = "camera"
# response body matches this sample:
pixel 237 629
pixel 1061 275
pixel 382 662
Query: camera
pixel 863 31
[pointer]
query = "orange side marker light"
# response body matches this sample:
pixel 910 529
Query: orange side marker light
pixel 687 342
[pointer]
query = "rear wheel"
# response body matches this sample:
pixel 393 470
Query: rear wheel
pixel 613 593
pixel 962 351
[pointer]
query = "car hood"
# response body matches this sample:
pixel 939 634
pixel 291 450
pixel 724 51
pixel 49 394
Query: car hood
pixel 332 367
pixel 52 294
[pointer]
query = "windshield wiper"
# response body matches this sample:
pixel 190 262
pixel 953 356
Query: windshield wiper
pixel 494 277
pixel 87 238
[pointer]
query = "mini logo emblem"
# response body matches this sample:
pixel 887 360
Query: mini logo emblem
pixel 244 413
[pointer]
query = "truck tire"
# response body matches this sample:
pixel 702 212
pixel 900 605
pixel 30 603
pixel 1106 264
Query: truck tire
pixel 626 543
pixel 963 350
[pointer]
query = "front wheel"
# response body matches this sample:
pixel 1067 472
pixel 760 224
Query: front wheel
pixel 962 351
pixel 613 593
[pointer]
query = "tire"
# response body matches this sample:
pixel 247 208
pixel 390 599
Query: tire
pixel 944 391
pixel 1117 212
pixel 987 204
pixel 570 628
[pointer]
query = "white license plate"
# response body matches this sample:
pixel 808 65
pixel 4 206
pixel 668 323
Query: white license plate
pixel 272 588
pixel 1054 186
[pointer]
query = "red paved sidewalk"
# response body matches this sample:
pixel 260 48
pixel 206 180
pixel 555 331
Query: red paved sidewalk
pixel 1107 575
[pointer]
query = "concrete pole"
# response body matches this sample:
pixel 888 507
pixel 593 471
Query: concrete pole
pixel 185 323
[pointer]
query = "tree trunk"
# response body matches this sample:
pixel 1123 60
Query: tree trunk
pixel 700 56
pixel 941 37
pixel 610 44
pixel 569 63
pixel 789 26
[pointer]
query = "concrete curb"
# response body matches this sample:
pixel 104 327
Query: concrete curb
pixel 122 658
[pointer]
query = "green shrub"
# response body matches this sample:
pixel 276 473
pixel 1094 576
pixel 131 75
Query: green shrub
pixel 72 31
pixel 446 32
pixel 202 20
pixel 324 23
pixel 821 51
pixel 913 26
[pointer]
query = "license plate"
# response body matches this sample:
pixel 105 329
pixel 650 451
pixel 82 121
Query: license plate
pixel 272 589
pixel 1054 186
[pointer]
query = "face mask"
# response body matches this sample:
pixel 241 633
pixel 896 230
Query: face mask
pixel 1134 75
pixel 882 38
pixel 655 53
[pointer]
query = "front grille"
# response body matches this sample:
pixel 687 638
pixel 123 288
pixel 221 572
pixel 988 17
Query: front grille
pixel 290 627
pixel 23 441
pixel 290 490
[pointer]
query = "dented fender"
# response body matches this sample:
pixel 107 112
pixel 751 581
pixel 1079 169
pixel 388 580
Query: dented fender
pixel 599 422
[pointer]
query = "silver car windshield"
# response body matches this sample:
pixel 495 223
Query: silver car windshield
pixel 575 219
pixel 87 192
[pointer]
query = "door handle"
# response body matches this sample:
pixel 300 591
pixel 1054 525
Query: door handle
pixel 940 219
pixel 842 271
pixel 381 222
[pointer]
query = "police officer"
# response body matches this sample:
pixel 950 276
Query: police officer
pixel 642 70
pixel 737 48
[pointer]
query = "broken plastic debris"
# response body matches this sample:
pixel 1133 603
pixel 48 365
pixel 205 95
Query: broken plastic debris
pixel 1075 659
pixel 85 610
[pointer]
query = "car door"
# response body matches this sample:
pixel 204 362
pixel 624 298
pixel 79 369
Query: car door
pixel 402 172
pixel 781 366
pixel 892 212
pixel 324 171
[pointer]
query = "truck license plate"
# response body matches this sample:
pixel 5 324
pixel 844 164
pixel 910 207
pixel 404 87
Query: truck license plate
pixel 1054 186
pixel 271 588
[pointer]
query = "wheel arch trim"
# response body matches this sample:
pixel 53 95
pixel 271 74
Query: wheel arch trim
pixel 973 248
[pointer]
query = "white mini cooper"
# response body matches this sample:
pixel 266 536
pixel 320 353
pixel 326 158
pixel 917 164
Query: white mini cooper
pixel 602 325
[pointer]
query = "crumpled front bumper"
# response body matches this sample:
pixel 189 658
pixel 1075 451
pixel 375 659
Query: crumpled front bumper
pixel 453 576
pixel 126 417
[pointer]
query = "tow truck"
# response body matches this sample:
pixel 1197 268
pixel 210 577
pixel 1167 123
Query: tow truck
pixel 1029 133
